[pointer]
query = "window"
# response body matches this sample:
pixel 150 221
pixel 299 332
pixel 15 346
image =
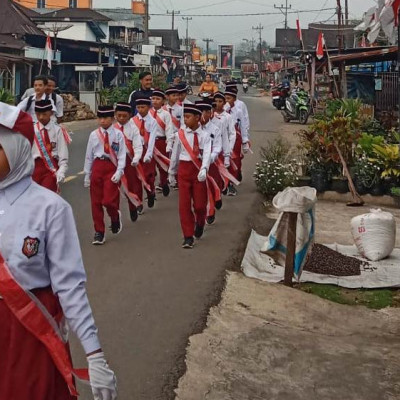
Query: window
pixel 73 3
pixel 41 3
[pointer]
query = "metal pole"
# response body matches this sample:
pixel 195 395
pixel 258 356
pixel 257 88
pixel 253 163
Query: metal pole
pixel 398 69
pixel 146 22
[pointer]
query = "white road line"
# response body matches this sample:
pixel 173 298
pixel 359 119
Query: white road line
pixel 70 178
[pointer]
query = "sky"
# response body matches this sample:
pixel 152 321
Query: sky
pixel 227 30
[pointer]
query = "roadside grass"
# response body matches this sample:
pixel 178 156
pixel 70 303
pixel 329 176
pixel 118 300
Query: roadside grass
pixel 374 299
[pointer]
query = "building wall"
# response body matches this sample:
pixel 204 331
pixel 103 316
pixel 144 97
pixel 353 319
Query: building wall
pixel 80 31
pixel 54 3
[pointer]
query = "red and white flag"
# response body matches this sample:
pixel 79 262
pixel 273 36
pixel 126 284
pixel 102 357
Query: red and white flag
pixel 299 32
pixel 165 66
pixel 173 64
pixel 49 51
pixel 363 41
pixel 320 46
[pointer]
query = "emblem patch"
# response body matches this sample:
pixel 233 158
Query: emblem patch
pixel 31 246
pixel 115 146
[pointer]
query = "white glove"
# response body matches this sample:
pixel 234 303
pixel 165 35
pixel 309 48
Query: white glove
pixel 86 181
pixel 102 378
pixel 245 147
pixel 202 176
pixel 214 156
pixel 60 176
pixel 227 161
pixel 172 179
pixel 147 158
pixel 135 163
pixel 168 148
pixel 116 177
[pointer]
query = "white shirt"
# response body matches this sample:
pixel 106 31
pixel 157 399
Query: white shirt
pixel 28 210
pixel 149 126
pixel 31 111
pixel 241 115
pixel 176 111
pixel 227 125
pixel 59 113
pixel 216 138
pixel 179 152
pixel 95 148
pixel 168 133
pixel 58 144
pixel 132 134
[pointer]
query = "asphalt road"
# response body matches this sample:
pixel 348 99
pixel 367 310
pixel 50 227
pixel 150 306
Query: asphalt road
pixel 147 293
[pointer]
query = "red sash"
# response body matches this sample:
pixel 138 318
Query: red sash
pixel 45 155
pixel 175 121
pixel 210 181
pixel 67 136
pixel 226 175
pixel 29 313
pixel 160 122
pixel 145 134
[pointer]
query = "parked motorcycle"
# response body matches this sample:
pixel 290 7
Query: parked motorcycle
pixel 279 95
pixel 297 107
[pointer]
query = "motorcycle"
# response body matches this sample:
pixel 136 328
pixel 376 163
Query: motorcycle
pixel 189 90
pixel 205 95
pixel 279 95
pixel 245 85
pixel 297 107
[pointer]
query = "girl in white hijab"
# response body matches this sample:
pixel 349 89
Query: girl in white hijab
pixel 41 270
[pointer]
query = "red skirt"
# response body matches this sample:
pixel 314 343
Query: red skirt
pixel 27 371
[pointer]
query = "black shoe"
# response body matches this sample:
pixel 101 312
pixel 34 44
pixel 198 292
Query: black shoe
pixel 165 190
pixel 99 238
pixel 225 192
pixel 232 190
pixel 218 204
pixel 188 243
pixel 134 214
pixel 240 176
pixel 210 220
pixel 198 231
pixel 139 209
pixel 116 227
pixel 150 200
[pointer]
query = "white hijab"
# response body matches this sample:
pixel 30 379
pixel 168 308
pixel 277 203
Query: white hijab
pixel 19 155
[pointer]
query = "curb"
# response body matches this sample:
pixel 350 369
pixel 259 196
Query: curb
pixel 386 201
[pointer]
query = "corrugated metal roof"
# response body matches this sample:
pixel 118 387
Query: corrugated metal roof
pixel 369 55
pixel 72 14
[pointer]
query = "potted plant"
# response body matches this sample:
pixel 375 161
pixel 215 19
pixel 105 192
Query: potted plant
pixel 6 97
pixel 367 174
pixel 340 184
pixel 395 193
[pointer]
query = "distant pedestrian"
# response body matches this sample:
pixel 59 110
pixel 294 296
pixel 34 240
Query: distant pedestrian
pixel 145 90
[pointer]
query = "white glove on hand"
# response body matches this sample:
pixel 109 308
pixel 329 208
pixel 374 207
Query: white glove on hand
pixel 60 176
pixel 227 161
pixel 135 163
pixel 172 180
pixel 147 158
pixel 116 177
pixel 245 147
pixel 86 181
pixel 102 378
pixel 202 176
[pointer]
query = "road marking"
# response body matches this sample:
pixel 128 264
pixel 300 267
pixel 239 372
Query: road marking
pixel 70 178
pixel 81 173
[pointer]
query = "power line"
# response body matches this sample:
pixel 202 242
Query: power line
pixel 284 10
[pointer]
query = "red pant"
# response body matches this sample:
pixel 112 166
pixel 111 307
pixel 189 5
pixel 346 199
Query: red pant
pixel 134 183
pixel 150 174
pixel 27 369
pixel 43 176
pixel 214 173
pixel 161 145
pixel 192 198
pixel 237 157
pixel 103 193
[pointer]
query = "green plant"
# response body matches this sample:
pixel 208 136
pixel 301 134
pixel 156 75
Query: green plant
pixel 365 144
pixel 367 172
pixel 6 96
pixel 389 155
pixel 395 191
pixel 279 150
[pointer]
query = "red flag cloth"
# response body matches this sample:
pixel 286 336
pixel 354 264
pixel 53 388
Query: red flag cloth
pixel 363 41
pixel 320 46
pixel 49 51
pixel 299 32
pixel 396 6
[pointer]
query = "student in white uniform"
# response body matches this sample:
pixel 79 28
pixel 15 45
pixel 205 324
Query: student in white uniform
pixel 41 269
pixel 57 99
pixel 50 150
pixel 173 107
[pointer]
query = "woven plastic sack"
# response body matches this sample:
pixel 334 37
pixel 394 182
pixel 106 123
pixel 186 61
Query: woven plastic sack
pixel 374 234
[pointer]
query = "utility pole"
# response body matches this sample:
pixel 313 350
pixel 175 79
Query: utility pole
pixel 146 22
pixel 259 28
pixel 346 11
pixel 340 38
pixel 208 41
pixel 173 13
pixel 187 19
pixel 284 10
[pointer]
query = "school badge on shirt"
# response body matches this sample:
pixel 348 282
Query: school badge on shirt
pixel 31 246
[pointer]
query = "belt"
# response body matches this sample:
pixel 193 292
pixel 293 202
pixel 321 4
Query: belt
pixel 161 138
pixel 103 158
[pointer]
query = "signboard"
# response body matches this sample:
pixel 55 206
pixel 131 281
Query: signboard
pixel 196 54
pixel 141 59
pixel 155 40
pixel 149 49
pixel 226 56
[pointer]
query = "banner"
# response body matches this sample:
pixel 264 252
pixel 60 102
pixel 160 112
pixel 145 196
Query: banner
pixel 226 56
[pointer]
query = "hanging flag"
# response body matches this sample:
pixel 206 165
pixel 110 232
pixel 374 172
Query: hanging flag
pixel 299 32
pixel 165 66
pixel 388 19
pixel 320 46
pixel 49 51
pixel 185 59
pixel 173 64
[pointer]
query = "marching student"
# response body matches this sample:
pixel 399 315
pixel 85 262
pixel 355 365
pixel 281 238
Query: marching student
pixel 183 91
pixel 190 160
pixel 104 166
pixel 145 126
pixel 28 104
pixel 165 137
pixel 42 280
pixel 134 150
pixel 50 150
pixel 173 107
pixel 215 180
